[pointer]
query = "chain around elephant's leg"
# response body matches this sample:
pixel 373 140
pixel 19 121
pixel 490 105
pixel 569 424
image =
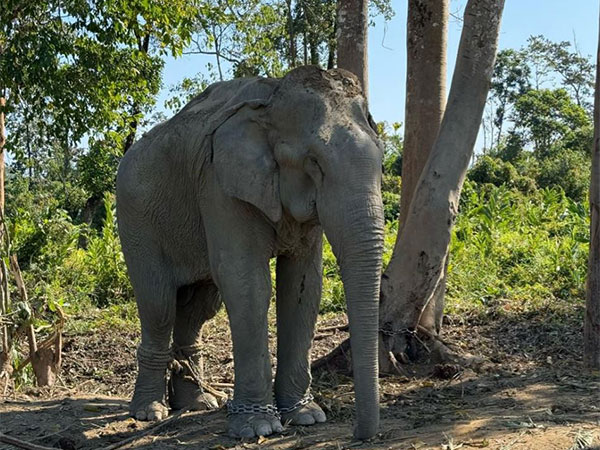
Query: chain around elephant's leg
pixel 195 305
pixel 298 294
pixel 240 245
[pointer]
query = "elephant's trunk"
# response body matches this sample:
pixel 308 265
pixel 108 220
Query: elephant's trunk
pixel 359 254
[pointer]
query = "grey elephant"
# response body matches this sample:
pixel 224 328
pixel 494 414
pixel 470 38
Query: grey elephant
pixel 254 169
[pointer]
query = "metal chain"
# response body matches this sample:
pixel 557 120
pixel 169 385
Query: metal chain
pixel 398 332
pixel 253 408
pixel 412 333
pixel 300 403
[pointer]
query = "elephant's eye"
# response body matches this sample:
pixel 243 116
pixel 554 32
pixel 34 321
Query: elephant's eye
pixel 313 169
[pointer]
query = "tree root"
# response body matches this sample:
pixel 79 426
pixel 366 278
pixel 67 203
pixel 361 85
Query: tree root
pixel 338 360
pixel 424 345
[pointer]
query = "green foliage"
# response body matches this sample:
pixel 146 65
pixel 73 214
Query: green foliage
pixel 253 37
pixel 549 117
pixel 390 192
pixel 392 147
pixel 516 250
pixel 550 60
pixel 57 269
pixel 98 167
pixel 78 77
pixel 490 170
pixel 569 170
pixel 106 263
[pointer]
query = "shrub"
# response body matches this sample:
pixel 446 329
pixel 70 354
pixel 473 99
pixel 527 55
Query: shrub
pixel 106 263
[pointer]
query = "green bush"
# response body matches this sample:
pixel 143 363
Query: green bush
pixel 517 249
pixel 568 170
pixel 492 170
pixel 106 263
pixel 390 192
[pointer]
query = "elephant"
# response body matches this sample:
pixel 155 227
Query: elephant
pixel 254 169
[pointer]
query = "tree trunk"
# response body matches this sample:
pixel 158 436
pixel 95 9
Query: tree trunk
pixel 291 34
pixel 143 46
pixel 332 49
pixel 426 41
pixel 5 358
pixel 418 267
pixel 352 23
pixel 2 142
pixel 591 339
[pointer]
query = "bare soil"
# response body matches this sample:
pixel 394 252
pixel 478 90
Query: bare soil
pixel 532 392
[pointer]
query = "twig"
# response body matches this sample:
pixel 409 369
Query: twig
pixel 39 438
pixel 343 327
pixel 320 336
pixel 147 431
pixel 396 365
pixel 22 444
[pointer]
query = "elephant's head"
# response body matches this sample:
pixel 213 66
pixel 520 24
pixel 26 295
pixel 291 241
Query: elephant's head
pixel 309 150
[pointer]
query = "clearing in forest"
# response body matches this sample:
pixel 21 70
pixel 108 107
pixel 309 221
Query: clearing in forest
pixel 530 393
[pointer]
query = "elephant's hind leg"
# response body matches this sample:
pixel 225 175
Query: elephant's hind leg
pixel 196 304
pixel 156 298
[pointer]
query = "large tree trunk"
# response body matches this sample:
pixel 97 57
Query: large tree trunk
pixel 426 41
pixel 352 23
pixel 418 267
pixel 426 38
pixel 592 310
pixel 5 359
pixel 291 34
pixel 2 142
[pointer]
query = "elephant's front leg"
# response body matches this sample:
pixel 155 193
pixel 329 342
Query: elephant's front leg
pixel 299 281
pixel 246 289
pixel 239 248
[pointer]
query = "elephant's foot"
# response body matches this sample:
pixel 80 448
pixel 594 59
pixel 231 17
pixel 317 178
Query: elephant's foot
pixel 253 425
pixel 247 420
pixel 148 411
pixel 185 393
pixel 307 414
pixel 148 401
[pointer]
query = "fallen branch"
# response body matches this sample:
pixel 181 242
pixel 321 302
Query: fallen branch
pixel 147 431
pixel 22 444
pixel 343 327
pixel 222 385
pixel 320 336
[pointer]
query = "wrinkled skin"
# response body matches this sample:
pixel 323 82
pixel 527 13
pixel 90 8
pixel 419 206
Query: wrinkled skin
pixel 250 170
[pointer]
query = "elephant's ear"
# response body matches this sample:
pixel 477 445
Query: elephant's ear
pixel 243 159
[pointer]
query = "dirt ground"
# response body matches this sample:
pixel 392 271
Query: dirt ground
pixel 531 393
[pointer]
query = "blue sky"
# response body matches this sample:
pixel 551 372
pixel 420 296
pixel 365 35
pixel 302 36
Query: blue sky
pixel 558 20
